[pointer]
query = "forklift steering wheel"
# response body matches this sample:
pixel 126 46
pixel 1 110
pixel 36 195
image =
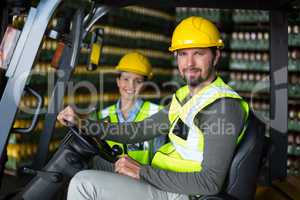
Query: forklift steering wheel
pixel 98 147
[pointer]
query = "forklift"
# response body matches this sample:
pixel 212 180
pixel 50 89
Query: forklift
pixel 75 21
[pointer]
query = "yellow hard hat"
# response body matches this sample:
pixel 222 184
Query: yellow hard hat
pixel 136 63
pixel 195 32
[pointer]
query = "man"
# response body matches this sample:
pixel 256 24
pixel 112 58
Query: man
pixel 204 122
pixel 132 71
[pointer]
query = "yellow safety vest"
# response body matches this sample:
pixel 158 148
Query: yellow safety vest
pixel 186 155
pixel 147 109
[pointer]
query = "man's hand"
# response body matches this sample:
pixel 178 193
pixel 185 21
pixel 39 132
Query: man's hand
pixel 129 167
pixel 67 115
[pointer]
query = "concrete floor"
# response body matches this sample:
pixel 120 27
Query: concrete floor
pixel 284 190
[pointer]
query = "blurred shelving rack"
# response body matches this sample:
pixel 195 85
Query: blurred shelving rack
pixel 133 28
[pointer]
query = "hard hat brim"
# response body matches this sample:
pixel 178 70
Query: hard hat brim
pixel 125 69
pixel 187 46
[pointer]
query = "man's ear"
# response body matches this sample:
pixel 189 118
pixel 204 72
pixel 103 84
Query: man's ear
pixel 217 57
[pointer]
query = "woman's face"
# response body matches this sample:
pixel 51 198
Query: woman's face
pixel 130 84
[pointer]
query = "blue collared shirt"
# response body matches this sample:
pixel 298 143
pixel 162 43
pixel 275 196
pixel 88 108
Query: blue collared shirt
pixel 132 112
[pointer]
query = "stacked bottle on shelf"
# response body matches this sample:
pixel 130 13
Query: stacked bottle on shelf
pixel 293 165
pixel 294 35
pixel 294 119
pixel 293 162
pixel 250 16
pixel 250 83
pixel 249 41
pixel 260 107
pixel 208 13
pixel 294 60
pixel 249 61
pixel 294 86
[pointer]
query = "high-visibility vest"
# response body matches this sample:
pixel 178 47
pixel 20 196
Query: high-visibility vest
pixel 185 154
pixel 147 109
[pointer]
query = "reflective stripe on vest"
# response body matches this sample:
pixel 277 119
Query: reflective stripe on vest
pixel 146 110
pixel 180 94
pixel 190 151
pixel 113 114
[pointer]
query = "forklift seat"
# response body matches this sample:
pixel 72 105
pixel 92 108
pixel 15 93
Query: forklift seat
pixel 241 180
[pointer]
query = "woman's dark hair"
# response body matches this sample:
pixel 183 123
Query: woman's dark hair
pixel 118 75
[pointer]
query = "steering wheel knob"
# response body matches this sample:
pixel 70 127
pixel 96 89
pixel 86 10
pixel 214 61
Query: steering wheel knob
pixel 117 149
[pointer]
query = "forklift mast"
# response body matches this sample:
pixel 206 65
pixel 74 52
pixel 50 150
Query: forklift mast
pixel 82 14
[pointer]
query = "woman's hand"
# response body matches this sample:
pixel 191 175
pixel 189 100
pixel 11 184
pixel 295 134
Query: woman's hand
pixel 67 115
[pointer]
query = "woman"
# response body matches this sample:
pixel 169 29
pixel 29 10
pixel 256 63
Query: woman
pixel 133 70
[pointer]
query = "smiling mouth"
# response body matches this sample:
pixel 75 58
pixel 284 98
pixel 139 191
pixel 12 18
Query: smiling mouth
pixel 129 92
pixel 192 71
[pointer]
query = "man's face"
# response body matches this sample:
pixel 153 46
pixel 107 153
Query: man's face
pixel 197 65
pixel 130 84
